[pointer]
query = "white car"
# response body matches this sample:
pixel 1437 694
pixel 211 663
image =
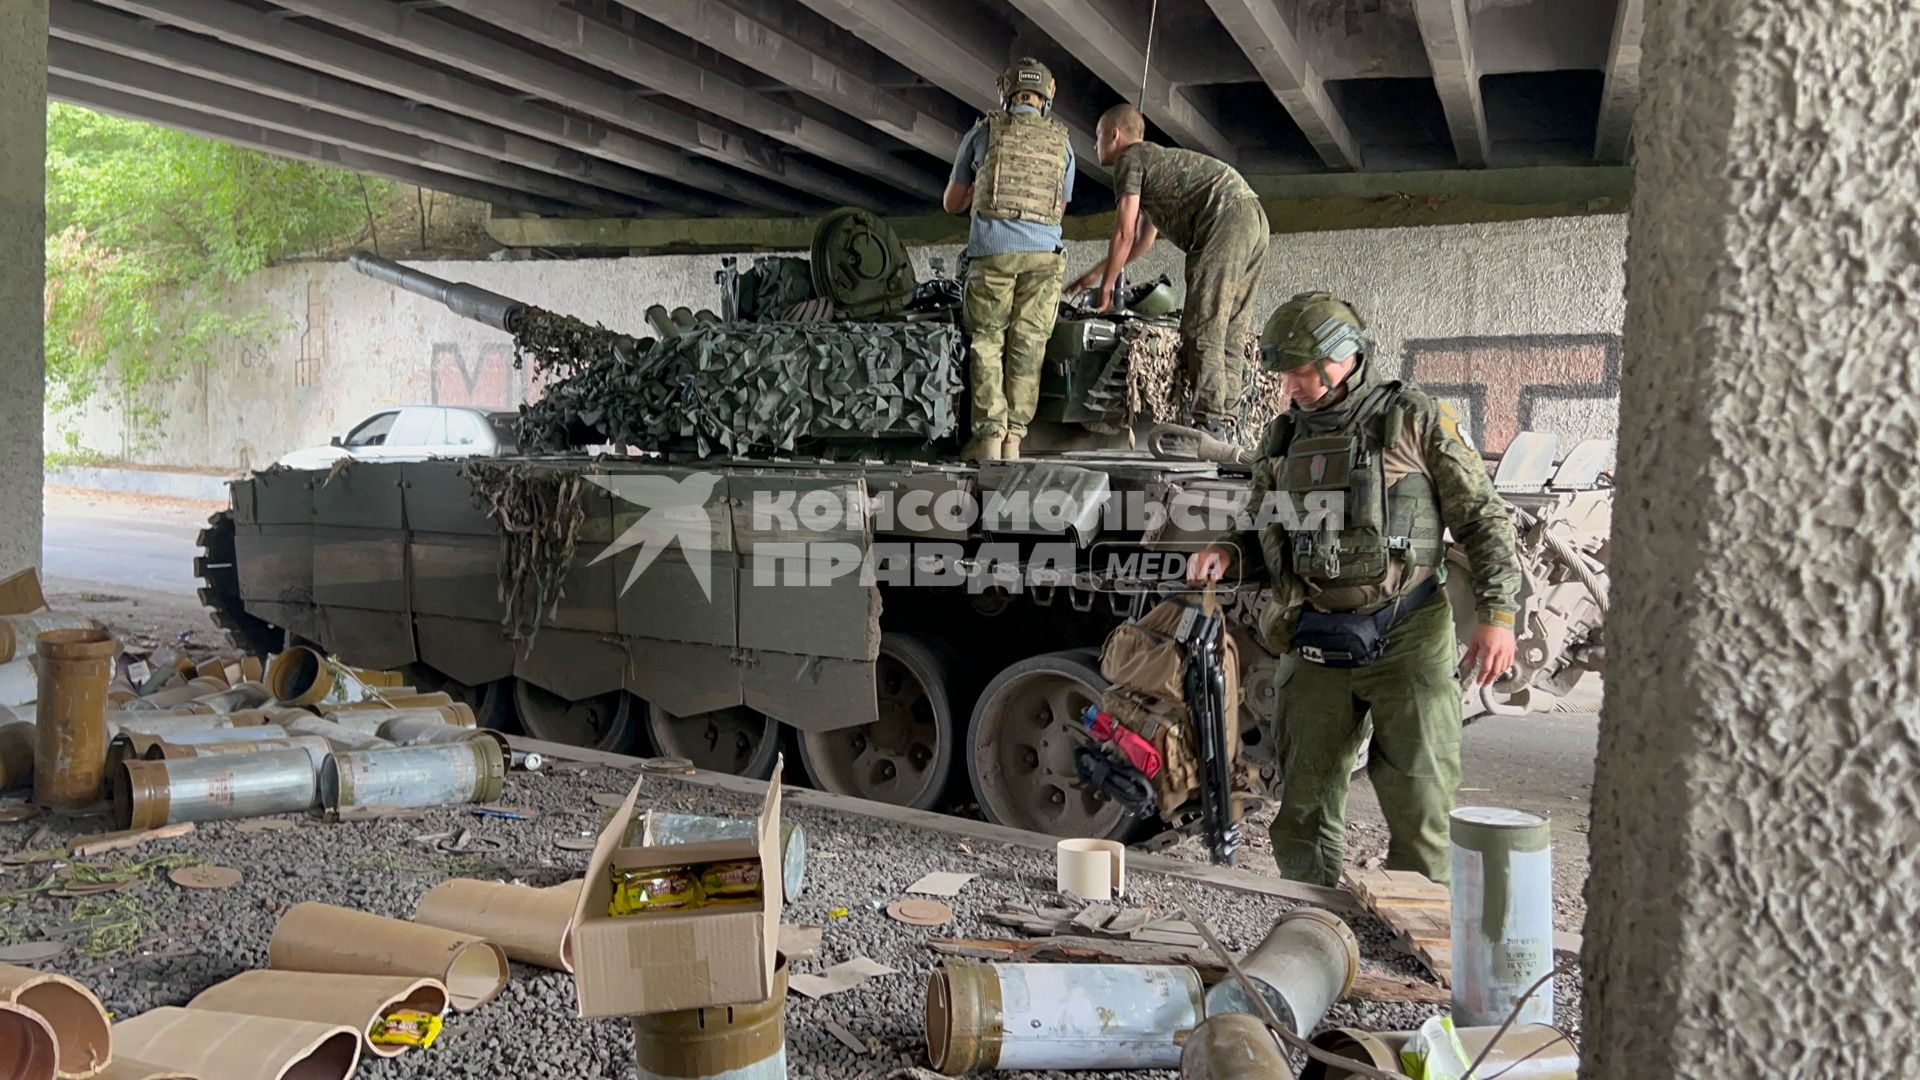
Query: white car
pixel 414 432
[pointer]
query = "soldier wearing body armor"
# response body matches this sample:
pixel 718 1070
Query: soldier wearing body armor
pixel 1356 595
pixel 1014 172
pixel 1205 208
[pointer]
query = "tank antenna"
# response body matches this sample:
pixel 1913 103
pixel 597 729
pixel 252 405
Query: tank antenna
pixel 1146 60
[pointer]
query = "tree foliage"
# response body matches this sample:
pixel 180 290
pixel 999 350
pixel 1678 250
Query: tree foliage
pixel 146 229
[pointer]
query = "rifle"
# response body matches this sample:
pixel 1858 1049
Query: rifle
pixel 1204 682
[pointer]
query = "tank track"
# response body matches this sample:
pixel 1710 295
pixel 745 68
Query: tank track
pixel 220 590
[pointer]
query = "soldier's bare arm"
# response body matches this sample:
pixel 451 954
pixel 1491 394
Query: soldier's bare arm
pixel 958 198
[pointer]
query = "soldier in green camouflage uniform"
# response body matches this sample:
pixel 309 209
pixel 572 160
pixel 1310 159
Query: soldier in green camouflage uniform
pixel 1014 172
pixel 1397 463
pixel 1207 210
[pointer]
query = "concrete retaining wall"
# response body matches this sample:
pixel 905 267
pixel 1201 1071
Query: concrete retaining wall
pixel 1517 322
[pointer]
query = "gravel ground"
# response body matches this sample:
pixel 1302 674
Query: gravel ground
pixel 854 862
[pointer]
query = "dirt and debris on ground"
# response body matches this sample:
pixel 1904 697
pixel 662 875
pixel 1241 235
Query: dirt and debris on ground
pixel 177 941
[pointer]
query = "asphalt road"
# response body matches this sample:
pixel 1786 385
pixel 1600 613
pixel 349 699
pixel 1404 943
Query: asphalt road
pixel 121 542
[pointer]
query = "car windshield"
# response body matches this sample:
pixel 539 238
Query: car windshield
pixel 373 430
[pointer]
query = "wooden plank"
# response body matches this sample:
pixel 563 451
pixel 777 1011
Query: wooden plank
pixel 101 843
pixel 1334 900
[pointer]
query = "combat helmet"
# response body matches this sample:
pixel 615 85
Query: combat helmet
pixel 1310 328
pixel 1027 74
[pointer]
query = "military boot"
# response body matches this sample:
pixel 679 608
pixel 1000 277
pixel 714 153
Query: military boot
pixel 1010 448
pixel 984 448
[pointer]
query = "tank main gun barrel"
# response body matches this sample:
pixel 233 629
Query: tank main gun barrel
pixel 468 301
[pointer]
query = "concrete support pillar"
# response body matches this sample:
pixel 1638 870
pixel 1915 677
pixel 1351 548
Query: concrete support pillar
pixel 1756 875
pixel 23 186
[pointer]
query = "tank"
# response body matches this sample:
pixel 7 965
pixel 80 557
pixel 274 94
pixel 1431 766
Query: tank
pixel 738 526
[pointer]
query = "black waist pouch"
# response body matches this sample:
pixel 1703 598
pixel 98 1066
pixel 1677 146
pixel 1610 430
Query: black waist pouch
pixel 1345 639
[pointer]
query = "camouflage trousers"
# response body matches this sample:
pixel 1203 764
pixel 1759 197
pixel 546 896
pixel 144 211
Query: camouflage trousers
pixel 1414 762
pixel 1223 275
pixel 1009 305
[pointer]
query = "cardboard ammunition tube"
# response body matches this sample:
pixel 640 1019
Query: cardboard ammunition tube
pixel 17 747
pixel 70 754
pixel 20 634
pixel 1525 1052
pixel 149 794
pixel 1060 1016
pixel 389 700
pixel 211 1045
pixel 533 926
pixel 466 772
pixel 299 676
pixel 340 736
pixel 355 1001
pixel 1307 961
pixel 737 1042
pixel 1233 1046
pixel 126 1068
pixel 27 1050
pixel 183 694
pixel 321 937
pixel 82 1038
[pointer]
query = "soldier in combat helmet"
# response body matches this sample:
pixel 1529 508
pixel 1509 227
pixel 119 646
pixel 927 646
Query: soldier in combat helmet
pixel 1204 206
pixel 1014 172
pixel 1357 594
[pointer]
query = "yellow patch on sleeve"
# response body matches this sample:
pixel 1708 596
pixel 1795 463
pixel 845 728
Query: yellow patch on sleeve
pixel 1498 618
pixel 1450 423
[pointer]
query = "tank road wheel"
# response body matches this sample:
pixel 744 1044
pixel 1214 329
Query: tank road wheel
pixel 1020 749
pixel 604 722
pixel 903 757
pixel 738 740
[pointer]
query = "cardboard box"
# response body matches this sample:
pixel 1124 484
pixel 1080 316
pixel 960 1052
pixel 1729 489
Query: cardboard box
pixel 636 965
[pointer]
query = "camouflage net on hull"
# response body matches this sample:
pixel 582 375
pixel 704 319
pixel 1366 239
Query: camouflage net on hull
pixel 539 513
pixel 1157 383
pixel 739 387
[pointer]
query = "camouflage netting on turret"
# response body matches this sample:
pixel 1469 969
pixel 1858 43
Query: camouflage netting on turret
pixel 1157 383
pixel 739 387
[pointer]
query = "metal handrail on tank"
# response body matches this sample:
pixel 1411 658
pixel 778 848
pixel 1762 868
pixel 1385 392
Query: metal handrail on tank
pixel 467 301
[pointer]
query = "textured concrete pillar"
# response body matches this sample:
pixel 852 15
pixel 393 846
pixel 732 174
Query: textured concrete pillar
pixel 1756 840
pixel 23 185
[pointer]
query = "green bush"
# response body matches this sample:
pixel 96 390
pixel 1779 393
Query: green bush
pixel 146 229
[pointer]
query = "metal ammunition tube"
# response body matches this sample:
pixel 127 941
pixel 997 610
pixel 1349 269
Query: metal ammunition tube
pixel 183 694
pixel 1525 1052
pixel 19 634
pixel 409 729
pixel 1502 916
pixel 1060 1016
pixel 730 1042
pixel 316 747
pixel 465 772
pixel 341 736
pixel 149 794
pixel 1307 961
pixel 1234 1046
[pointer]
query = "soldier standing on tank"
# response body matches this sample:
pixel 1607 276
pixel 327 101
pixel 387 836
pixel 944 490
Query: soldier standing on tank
pixel 1206 209
pixel 1358 597
pixel 1014 172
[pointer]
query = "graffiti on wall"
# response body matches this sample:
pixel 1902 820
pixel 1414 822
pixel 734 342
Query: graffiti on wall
pixel 485 378
pixel 1505 379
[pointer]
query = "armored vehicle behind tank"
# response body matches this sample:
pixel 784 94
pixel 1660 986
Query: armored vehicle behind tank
pixel 731 530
